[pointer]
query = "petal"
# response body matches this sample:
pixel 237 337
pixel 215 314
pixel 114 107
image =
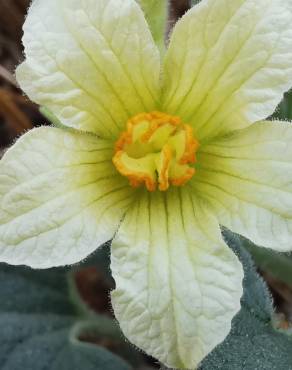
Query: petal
pixel 93 63
pixel 177 284
pixel 60 198
pixel 229 63
pixel 248 179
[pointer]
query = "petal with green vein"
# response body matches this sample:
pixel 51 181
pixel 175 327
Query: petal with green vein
pixel 60 198
pixel 247 178
pixel 178 285
pixel 92 63
pixel 229 63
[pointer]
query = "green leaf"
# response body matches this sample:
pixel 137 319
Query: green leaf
pixel 40 328
pixel 275 263
pixel 156 13
pixel 195 2
pixel 284 110
pixel 253 343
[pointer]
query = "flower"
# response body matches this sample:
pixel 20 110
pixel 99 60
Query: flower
pixel 155 160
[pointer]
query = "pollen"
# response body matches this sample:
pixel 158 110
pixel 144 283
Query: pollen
pixel 157 150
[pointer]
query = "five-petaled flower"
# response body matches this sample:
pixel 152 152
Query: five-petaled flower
pixel 156 158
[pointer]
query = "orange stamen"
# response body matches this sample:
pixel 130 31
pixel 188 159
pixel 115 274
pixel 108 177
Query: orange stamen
pixel 149 160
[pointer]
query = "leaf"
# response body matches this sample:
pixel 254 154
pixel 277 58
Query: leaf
pixel 277 264
pixel 195 2
pixel 253 343
pixel 156 12
pixel 284 110
pixel 40 328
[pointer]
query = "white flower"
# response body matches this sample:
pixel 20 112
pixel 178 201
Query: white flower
pixel 95 66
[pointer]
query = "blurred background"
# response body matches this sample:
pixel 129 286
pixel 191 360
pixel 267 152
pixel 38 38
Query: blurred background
pixel 18 114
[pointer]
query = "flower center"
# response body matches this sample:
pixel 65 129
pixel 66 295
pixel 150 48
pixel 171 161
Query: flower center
pixel 155 151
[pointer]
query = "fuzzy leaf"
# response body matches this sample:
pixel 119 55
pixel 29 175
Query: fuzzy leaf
pixel 277 264
pixel 284 110
pixel 39 327
pixel 253 343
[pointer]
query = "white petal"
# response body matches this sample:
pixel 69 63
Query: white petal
pixel 93 63
pixel 60 198
pixel 229 63
pixel 177 284
pixel 248 179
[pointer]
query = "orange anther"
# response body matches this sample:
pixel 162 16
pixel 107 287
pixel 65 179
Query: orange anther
pixel 154 152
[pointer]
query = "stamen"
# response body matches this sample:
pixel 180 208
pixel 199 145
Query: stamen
pixel 156 150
